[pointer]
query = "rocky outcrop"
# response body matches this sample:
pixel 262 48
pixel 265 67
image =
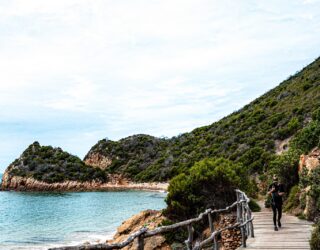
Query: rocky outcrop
pixel 118 179
pixel 150 219
pixel 230 239
pixel 282 145
pixel 309 163
pixel 98 160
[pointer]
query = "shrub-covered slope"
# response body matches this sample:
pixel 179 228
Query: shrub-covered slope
pixel 130 155
pixel 48 164
pixel 249 136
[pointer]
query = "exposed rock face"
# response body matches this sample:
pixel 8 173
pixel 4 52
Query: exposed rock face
pixel 118 179
pixel 97 160
pixel 148 218
pixel 282 145
pixel 5 182
pixel 309 162
pixel 230 239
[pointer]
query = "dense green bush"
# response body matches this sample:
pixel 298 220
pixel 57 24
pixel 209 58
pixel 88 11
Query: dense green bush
pixel 210 183
pixel 312 180
pixel 306 86
pixel 316 115
pixel 254 206
pixel 315 238
pixel 256 158
pixel 267 202
pixel 286 167
pixel 293 199
pixel 308 138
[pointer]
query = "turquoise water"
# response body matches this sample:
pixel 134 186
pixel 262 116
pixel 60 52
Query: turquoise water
pixel 32 220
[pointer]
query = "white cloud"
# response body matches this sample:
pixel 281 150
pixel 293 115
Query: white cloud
pixel 76 97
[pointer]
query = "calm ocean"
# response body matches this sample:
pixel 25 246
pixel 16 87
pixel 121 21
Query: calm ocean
pixel 32 220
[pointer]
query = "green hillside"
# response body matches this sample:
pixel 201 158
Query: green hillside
pixel 248 136
pixel 48 164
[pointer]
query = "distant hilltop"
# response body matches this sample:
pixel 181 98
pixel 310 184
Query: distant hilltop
pixel 250 136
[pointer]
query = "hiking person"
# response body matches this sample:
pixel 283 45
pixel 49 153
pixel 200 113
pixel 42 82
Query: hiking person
pixel 276 191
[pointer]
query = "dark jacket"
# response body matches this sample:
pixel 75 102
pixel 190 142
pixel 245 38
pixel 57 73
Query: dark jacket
pixel 276 198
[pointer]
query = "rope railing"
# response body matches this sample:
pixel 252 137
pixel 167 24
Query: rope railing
pixel 244 223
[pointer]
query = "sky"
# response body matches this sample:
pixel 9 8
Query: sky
pixel 77 71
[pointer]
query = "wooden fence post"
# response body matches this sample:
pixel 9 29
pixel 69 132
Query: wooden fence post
pixel 190 237
pixel 210 222
pixel 238 207
pixel 243 237
pixel 245 217
pixel 215 241
pixel 251 224
pixel 140 242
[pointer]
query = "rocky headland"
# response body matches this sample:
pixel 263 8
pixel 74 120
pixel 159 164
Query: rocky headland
pixel 44 168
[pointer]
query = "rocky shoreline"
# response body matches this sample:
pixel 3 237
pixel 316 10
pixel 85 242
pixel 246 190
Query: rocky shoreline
pixel 17 183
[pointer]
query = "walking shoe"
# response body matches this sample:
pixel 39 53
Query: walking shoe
pixel 279 223
pixel 275 228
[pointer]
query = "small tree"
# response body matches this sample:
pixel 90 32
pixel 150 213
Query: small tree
pixel 210 183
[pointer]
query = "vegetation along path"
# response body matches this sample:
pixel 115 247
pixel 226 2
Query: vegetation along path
pixel 294 233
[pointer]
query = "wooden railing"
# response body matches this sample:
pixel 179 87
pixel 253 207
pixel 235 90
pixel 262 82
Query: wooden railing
pixel 244 222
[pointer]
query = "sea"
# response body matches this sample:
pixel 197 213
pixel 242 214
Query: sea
pixel 40 220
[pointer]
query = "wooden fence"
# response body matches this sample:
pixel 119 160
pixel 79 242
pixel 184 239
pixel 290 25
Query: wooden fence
pixel 244 222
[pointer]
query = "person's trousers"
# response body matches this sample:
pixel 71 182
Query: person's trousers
pixel 277 209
